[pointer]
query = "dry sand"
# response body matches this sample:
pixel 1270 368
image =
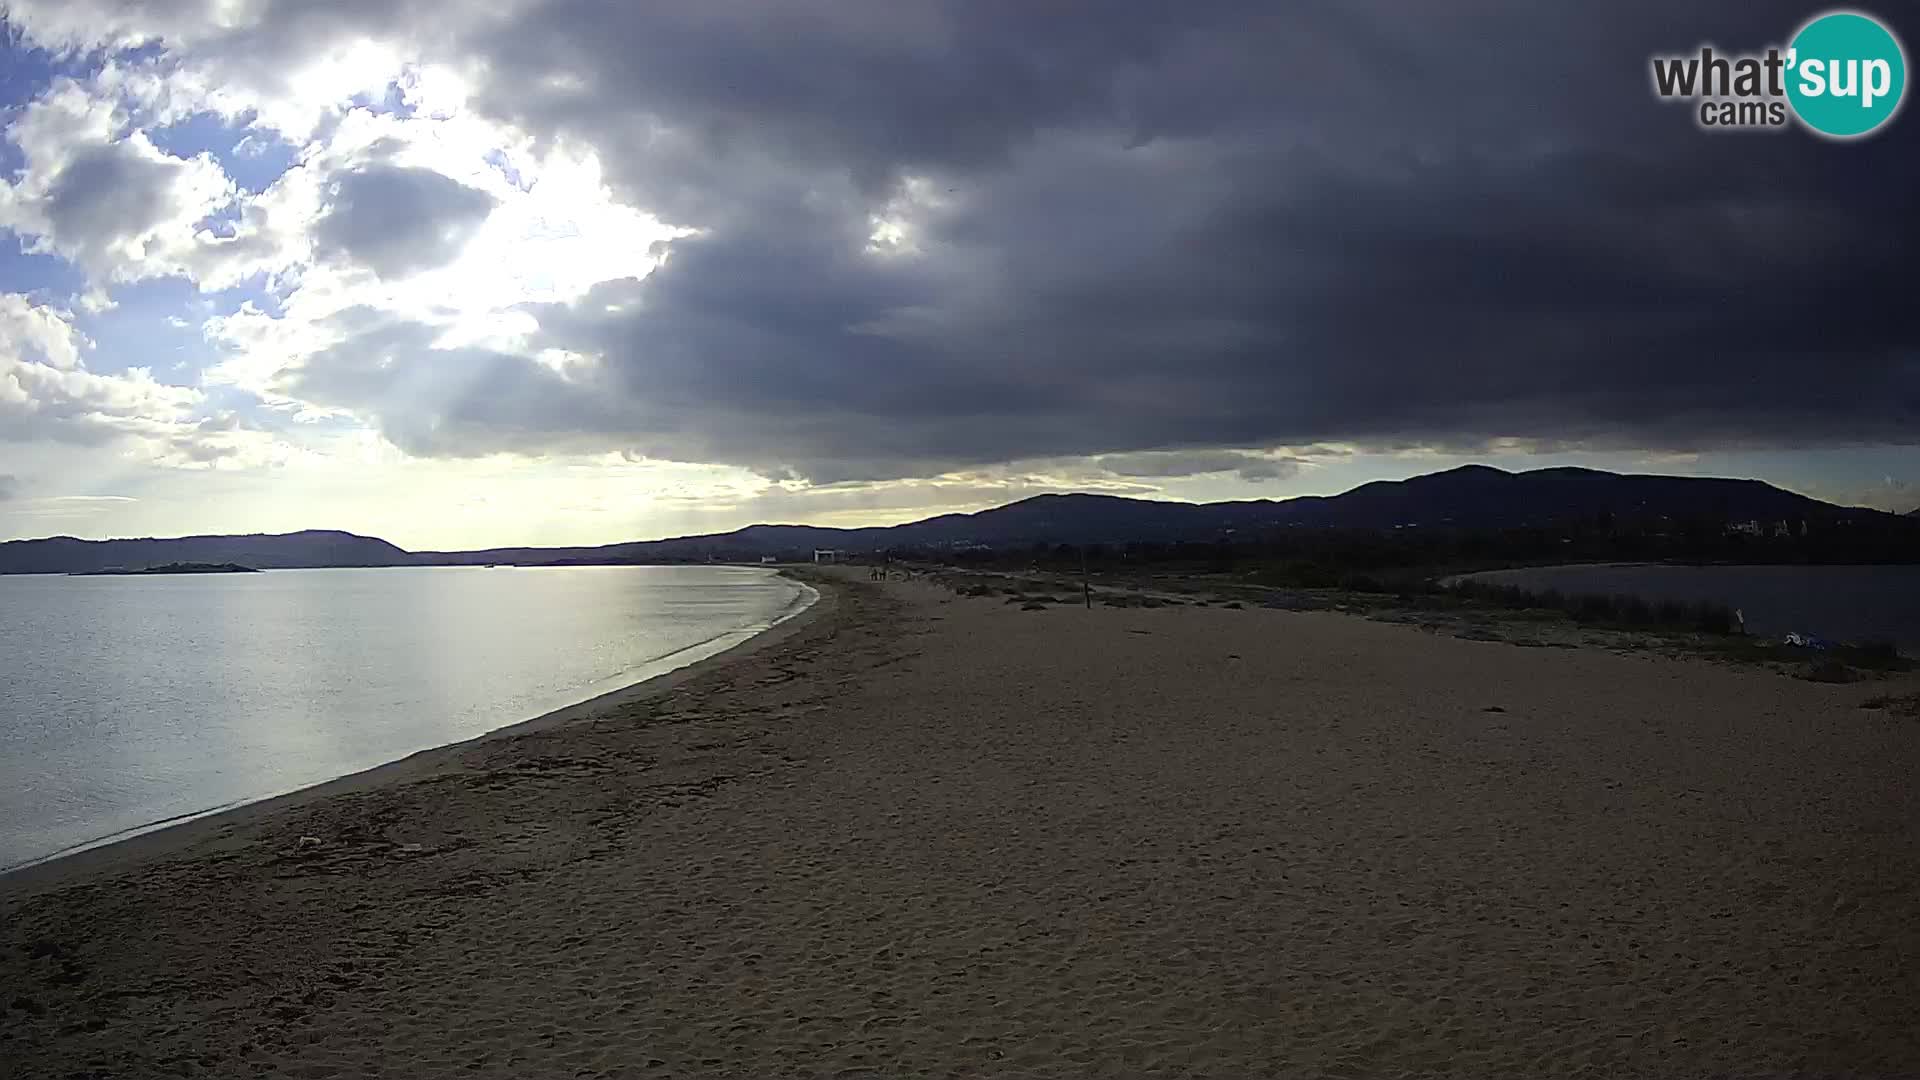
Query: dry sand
pixel 924 836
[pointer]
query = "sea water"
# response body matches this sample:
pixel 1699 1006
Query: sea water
pixel 130 701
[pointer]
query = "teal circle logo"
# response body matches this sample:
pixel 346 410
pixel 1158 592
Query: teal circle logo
pixel 1846 74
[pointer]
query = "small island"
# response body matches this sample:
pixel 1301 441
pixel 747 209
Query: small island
pixel 170 568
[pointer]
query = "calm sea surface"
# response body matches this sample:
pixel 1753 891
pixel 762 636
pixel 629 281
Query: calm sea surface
pixel 1841 603
pixel 127 701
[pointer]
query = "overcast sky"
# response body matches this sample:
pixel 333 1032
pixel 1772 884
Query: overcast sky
pixel 565 271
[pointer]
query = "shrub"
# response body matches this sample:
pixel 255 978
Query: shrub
pixel 1594 607
pixel 1879 649
pixel 1605 609
pixel 1632 609
pixel 1715 619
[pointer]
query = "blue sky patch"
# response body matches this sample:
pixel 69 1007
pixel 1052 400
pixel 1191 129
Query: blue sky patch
pixel 254 159
pixel 46 277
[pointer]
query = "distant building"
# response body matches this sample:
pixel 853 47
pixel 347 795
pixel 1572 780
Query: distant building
pixel 826 555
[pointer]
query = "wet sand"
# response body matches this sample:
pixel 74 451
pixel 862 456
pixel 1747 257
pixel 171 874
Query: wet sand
pixel 918 835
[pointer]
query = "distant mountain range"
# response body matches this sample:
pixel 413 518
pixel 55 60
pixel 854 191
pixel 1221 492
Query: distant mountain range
pixel 315 547
pixel 1472 497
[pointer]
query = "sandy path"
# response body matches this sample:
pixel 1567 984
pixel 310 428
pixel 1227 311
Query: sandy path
pixel 932 837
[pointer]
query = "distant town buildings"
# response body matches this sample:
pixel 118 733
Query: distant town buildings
pixel 1781 528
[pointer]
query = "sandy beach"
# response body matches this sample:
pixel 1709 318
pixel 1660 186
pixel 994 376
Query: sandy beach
pixel 912 834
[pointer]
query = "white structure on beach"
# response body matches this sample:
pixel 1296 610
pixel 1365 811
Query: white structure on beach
pixel 826 555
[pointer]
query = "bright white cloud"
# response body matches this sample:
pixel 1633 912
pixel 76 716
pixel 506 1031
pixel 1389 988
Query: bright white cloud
pixel 485 225
pixel 40 332
pixel 290 69
pixel 102 195
pixel 48 395
pixel 46 391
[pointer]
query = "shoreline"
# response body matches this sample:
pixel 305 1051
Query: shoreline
pixel 1451 580
pixel 119 851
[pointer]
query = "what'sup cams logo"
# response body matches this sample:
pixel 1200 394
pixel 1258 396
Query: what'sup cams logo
pixel 1843 75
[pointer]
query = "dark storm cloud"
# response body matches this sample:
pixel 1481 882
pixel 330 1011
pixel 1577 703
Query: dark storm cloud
pixel 1161 227
pixel 398 220
pixel 450 402
pixel 103 186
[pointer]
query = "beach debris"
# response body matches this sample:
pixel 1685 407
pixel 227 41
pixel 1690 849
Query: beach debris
pixel 1493 708
pixel 307 842
pixel 1808 641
